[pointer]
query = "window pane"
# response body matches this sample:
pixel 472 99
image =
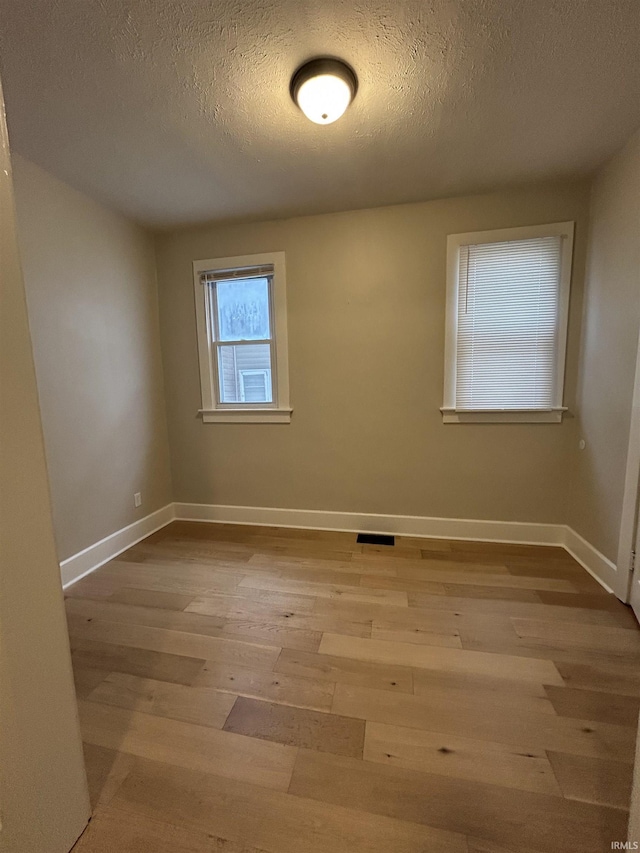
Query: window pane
pixel 243 309
pixel 508 304
pixel 244 371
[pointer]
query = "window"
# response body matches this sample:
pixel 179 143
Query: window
pixel 507 312
pixel 255 386
pixel 241 321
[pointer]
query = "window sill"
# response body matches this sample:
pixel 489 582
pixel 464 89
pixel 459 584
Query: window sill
pixel 503 416
pixel 246 416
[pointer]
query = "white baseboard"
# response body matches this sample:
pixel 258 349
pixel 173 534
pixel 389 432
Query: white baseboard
pixel 398 525
pixel 511 532
pixel 91 558
pixel 601 567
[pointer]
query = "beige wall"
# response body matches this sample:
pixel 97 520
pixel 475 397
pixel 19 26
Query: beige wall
pixel 366 299
pixel 91 291
pixel 43 791
pixel 608 352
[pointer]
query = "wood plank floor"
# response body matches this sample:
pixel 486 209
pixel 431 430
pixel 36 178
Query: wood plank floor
pixel 262 690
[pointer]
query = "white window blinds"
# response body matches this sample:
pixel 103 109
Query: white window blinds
pixel 211 276
pixel 508 310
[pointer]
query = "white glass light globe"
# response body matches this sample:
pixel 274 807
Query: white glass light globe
pixel 324 98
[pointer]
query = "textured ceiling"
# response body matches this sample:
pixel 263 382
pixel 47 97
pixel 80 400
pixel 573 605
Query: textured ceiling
pixel 177 112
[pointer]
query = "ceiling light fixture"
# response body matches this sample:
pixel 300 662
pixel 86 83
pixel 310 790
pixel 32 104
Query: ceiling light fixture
pixel 323 89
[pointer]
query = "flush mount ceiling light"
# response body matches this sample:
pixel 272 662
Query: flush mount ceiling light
pixel 323 89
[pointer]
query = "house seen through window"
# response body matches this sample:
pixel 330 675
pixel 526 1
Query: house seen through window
pixel 243 339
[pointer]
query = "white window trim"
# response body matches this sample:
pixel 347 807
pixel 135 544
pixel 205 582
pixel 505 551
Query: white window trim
pixel 213 411
pixel 451 414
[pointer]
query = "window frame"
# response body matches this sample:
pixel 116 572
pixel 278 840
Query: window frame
pixel 553 414
pixel 213 410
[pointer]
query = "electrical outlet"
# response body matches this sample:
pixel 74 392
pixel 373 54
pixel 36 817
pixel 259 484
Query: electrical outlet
pixel 137 499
